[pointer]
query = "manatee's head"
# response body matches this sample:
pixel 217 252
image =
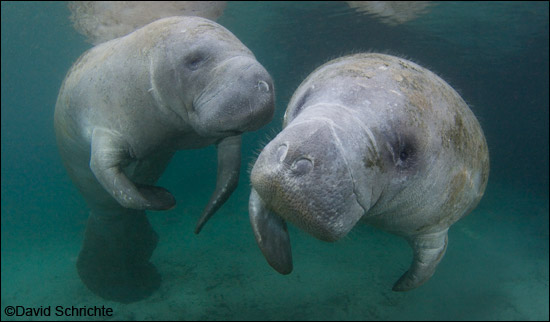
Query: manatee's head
pixel 208 78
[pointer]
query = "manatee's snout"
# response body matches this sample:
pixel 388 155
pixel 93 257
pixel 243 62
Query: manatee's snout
pixel 253 90
pixel 300 164
pixel 262 100
pixel 239 98
pixel 303 177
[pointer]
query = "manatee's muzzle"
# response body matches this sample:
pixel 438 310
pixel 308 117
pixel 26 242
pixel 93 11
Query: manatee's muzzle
pixel 301 176
pixel 239 98
pixel 249 96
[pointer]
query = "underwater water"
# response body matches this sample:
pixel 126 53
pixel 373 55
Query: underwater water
pixel 497 262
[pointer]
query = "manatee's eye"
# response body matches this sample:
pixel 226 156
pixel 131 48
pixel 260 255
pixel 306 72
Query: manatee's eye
pixel 405 154
pixel 402 149
pixel 195 60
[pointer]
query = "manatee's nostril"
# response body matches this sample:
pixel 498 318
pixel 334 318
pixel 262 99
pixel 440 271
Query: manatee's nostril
pixel 281 152
pixel 263 86
pixel 302 166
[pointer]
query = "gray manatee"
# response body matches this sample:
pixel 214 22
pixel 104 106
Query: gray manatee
pixel 375 138
pixel 123 110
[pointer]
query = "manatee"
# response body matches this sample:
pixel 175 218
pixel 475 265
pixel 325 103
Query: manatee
pixel 125 107
pixel 371 138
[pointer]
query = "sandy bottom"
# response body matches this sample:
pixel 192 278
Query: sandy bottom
pixel 496 268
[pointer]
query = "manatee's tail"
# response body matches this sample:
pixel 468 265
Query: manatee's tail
pixel 428 252
pixel 114 260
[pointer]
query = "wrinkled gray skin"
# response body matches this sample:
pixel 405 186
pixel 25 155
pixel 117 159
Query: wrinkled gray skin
pixel 374 138
pixel 123 110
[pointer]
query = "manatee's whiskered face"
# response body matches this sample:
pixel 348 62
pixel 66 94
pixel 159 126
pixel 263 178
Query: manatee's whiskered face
pixel 303 177
pixel 238 97
pixel 219 87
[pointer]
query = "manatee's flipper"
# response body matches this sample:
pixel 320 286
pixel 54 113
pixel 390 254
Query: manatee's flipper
pixel 110 153
pixel 271 234
pixel 229 166
pixel 114 259
pixel 428 251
